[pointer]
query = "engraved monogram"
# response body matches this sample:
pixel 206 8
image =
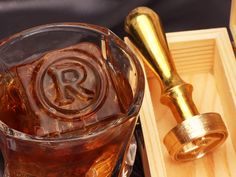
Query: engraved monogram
pixel 70 86
pixel 67 82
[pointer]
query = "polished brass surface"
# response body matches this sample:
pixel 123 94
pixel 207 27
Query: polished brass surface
pixel 196 134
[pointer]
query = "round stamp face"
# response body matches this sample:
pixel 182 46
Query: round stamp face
pixel 70 84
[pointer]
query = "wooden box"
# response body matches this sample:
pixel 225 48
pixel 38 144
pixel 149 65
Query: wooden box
pixel 205 59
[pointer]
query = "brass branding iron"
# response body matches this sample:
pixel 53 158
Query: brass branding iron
pixel 195 134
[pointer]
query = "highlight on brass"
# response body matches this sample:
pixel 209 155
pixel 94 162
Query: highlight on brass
pixel 195 134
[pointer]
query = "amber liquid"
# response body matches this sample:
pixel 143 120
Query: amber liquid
pixel 61 96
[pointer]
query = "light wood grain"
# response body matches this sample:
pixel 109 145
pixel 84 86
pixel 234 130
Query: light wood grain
pixel 212 74
pixel 148 122
pixel 233 19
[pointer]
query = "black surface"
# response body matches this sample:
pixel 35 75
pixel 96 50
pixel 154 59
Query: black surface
pixel 138 167
pixel 177 15
pixel 16 15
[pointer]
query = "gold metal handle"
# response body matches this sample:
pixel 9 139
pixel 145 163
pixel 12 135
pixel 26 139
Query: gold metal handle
pixel 145 28
pixel 196 134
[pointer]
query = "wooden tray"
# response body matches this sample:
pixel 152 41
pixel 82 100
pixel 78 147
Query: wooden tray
pixel 205 59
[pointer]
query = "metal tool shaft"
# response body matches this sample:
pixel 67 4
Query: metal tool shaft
pixel 144 27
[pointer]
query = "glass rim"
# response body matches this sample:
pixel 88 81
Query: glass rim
pixel 138 96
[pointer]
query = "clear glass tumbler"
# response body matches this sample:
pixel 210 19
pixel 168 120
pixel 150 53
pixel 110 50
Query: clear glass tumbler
pixel 70 94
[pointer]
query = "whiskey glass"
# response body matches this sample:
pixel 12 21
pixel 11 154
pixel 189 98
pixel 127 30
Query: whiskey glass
pixel 70 94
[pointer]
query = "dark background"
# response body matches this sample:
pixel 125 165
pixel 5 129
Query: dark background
pixel 177 15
